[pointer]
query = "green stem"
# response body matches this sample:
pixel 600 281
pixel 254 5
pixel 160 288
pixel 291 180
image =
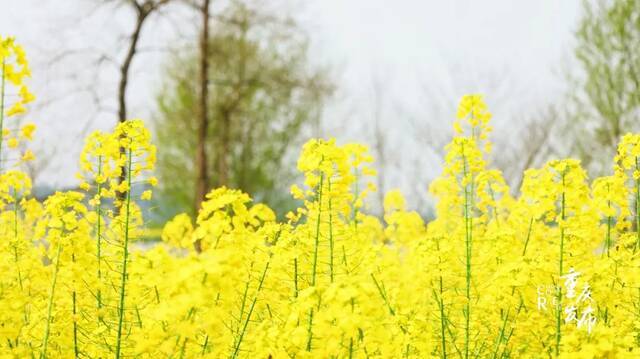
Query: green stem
pixel 244 302
pixel 205 344
pixel 356 191
pixel 495 208
pixel 16 259
pixel 608 239
pixel 317 239
pixel 315 260
pixel 246 322
pixel 125 258
pixel 505 352
pixel 99 234
pixel 383 295
pixel 526 242
pixel 309 330
pixel 559 291
pixel 351 348
pixel 76 351
pixel 15 237
pixel 501 335
pixel 330 233
pixel 183 347
pixel 295 277
pixel 45 339
pixel 75 326
pixel 609 220
pixel 440 301
pixel 468 240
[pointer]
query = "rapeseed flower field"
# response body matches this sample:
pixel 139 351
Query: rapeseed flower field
pixel 553 272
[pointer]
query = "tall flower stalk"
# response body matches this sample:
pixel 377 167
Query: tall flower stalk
pixel 468 231
pixel 98 232
pixel 316 248
pixel 464 163
pixel 245 324
pixel 560 264
pixel 125 258
pixel 52 289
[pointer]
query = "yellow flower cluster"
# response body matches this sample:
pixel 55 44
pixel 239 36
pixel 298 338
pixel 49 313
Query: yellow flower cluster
pixel 485 278
pixel 14 69
pixel 107 157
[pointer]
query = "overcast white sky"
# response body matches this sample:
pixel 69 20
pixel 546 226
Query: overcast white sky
pixel 425 53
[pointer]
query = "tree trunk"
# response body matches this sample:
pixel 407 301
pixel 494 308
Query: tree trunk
pixel 126 65
pixel 202 176
pixel 124 81
pixel 143 10
pixel 225 144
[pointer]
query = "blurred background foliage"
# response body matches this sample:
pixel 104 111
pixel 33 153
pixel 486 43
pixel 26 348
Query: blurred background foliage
pixel 267 91
pixel 262 94
pixel 606 98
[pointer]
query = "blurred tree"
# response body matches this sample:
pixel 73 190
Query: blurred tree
pixel 142 9
pixel 202 175
pixel 261 95
pixel 536 144
pixel 606 100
